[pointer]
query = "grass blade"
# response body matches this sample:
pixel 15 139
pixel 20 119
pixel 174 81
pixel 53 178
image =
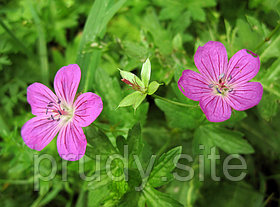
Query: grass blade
pixel 42 46
pixel 89 54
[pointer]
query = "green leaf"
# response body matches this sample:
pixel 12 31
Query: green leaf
pixel 268 106
pixel 177 42
pixel 161 173
pixel 153 86
pixel 202 146
pixel 134 140
pixel 121 142
pixel 179 116
pixel 156 198
pixel 231 195
pixel 101 145
pixel 130 199
pixel 229 141
pixel 146 72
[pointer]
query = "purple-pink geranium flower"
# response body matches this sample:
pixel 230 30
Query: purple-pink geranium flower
pixel 61 113
pixel 222 85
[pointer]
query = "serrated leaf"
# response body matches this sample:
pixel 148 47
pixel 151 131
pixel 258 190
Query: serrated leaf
pixel 161 173
pixel 146 72
pixel 153 86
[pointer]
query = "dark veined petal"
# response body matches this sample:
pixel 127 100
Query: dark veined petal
pixel 215 108
pixel 66 83
pixel 38 132
pixel 242 67
pixel 193 85
pixel 245 96
pixel 211 60
pixel 71 142
pixel 39 96
pixel 88 106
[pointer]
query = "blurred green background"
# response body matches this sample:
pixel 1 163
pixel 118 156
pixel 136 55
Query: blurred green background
pixel 37 37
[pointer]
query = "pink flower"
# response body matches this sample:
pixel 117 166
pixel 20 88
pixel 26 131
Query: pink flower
pixel 222 85
pixel 61 113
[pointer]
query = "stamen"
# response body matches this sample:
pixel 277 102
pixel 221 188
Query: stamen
pixel 59 112
pixel 59 101
pixel 47 110
pixel 49 105
pixel 218 91
pixel 230 90
pixel 52 117
pixel 58 119
pixel 211 85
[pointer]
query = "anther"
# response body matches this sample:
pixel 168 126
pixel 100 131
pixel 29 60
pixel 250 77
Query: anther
pixel 211 85
pixel 52 117
pixel 49 105
pixel 47 111
pixel 229 78
pixel 59 112
pixel 59 101
pixel 230 90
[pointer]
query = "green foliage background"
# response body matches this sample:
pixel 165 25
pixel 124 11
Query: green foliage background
pixel 37 37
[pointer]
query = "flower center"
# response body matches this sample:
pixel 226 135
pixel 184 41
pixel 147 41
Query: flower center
pixel 59 112
pixel 222 87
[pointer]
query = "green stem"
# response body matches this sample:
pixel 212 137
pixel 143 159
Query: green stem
pixel 174 102
pixel 42 45
pixel 16 40
pixel 164 147
pixel 268 199
pixel 268 37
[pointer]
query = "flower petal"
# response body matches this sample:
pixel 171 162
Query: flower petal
pixel 215 108
pixel 88 106
pixel 39 96
pixel 71 142
pixel 243 66
pixel 66 82
pixel 193 85
pixel 39 131
pixel 245 96
pixel 211 60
